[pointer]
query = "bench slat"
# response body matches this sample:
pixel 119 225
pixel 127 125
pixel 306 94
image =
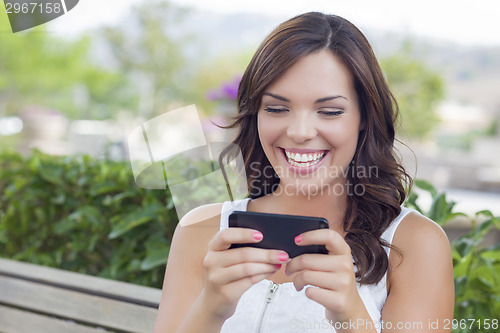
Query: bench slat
pixel 76 305
pixel 76 280
pixel 19 321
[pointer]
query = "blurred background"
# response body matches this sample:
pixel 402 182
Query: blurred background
pixel 72 90
pixel 81 83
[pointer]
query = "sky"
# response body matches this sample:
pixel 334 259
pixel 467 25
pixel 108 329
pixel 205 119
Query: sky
pixel 464 22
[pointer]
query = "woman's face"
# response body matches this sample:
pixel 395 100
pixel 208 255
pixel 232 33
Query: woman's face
pixel 308 124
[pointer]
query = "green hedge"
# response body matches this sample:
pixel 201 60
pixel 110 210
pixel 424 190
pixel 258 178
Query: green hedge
pixel 89 216
pixel 85 215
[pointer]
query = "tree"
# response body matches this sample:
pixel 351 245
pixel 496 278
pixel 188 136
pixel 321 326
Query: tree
pixel 151 49
pixel 39 68
pixel 417 89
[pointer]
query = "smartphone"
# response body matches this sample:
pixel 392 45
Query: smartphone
pixel 279 230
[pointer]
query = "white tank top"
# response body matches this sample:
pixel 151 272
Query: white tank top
pixel 275 308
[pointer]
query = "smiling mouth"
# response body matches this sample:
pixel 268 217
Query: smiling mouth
pixel 304 160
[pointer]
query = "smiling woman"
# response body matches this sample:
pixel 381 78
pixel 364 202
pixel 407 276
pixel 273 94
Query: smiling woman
pixel 315 109
pixel 304 63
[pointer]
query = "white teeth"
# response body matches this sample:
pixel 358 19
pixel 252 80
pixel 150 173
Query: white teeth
pixel 303 160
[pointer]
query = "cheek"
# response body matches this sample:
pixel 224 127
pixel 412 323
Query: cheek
pixel 339 135
pixel 269 131
pixel 343 138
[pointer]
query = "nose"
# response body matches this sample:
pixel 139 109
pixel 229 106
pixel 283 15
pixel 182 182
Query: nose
pixel 301 128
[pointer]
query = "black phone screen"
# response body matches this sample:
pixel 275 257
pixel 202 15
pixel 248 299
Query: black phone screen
pixel 279 230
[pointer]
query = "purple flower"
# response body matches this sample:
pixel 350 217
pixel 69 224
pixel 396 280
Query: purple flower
pixel 227 91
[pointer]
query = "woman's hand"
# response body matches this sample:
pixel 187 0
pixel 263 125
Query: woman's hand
pixel 230 272
pixel 333 274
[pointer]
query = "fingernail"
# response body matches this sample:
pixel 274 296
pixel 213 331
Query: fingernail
pixel 283 257
pixel 257 235
pixel 278 266
pixel 298 239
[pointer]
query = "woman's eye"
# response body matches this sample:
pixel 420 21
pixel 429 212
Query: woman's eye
pixel 331 113
pixel 274 110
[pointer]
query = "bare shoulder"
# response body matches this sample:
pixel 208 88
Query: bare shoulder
pixel 184 275
pixel 192 234
pixel 418 236
pixel 203 214
pixel 420 280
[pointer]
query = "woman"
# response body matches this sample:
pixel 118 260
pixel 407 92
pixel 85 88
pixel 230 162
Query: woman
pixel 314 107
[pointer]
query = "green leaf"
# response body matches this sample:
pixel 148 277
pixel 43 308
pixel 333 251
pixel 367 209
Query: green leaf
pixel 135 219
pixel 462 267
pixel 441 209
pixel 63 226
pixel 59 200
pixel 482 230
pixel 155 258
pixel 485 212
pixel 492 252
pixel 52 174
pixel 460 286
pixel 492 272
pixel 104 188
pixel 130 222
pixel 426 186
pixel 119 197
pixel 92 243
pixel 134 265
pixel 464 245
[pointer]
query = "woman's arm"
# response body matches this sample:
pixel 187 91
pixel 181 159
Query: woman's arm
pixel 205 279
pixel 421 285
pixel 183 280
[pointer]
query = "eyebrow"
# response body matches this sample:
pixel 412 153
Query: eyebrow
pixel 319 100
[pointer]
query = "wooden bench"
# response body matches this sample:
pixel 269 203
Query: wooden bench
pixel 37 299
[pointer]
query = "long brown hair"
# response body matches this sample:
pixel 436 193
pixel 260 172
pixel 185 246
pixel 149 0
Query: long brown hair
pixel 367 216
